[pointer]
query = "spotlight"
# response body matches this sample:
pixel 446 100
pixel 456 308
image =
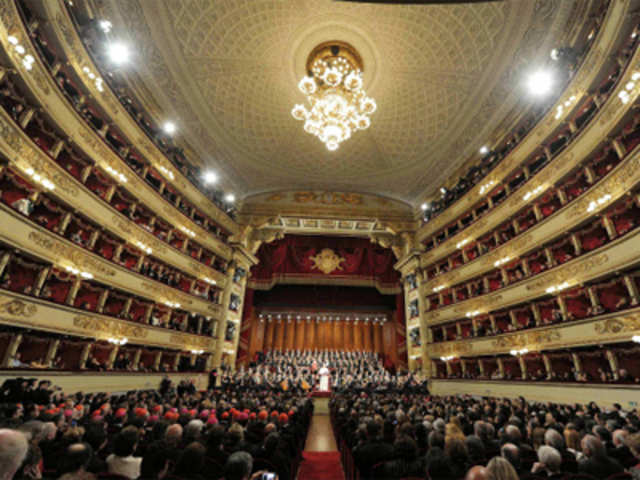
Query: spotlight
pixel 230 198
pixel 443 190
pixel 210 177
pixel 555 54
pixel 118 53
pixel 539 83
pixel 105 26
pixel 484 150
pixel 169 128
pixel 424 207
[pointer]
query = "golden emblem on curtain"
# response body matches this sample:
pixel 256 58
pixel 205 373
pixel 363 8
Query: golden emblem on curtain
pixel 327 261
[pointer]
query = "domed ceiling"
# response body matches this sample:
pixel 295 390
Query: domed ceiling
pixel 444 79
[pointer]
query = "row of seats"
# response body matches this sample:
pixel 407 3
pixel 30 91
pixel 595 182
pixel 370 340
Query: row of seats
pixel 28 276
pixel 17 193
pixel 40 350
pixel 548 150
pixel 113 137
pixel 93 38
pixel 617 363
pixel 102 185
pixel 616 221
pixel 603 296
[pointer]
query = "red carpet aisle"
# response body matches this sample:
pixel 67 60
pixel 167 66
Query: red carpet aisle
pixel 320 459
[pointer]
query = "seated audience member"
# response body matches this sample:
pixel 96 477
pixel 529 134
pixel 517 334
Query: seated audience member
pixel 596 462
pixel 154 466
pixel 406 462
pixel 13 450
pixel 633 442
pixel 371 450
pixel 75 462
pixel 549 463
pixel 121 461
pixel 500 469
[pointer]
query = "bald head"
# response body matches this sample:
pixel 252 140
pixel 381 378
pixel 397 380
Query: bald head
pixel 13 450
pixel 477 473
pixel 173 433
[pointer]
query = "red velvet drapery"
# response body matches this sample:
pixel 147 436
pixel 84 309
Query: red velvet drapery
pixel 292 255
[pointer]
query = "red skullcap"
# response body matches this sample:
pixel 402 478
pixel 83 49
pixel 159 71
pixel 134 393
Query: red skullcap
pixel 283 418
pixel 121 412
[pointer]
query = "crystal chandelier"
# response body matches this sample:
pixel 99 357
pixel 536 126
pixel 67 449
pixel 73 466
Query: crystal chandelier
pixel 338 104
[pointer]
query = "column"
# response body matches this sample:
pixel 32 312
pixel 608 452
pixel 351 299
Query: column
pixel 112 356
pixel 280 328
pixel 632 289
pixel 357 336
pixel 14 344
pixel 84 355
pixel 51 352
pixel 547 365
pixel 300 334
pixel 290 339
pixel 368 344
pixel 338 340
pixel 136 359
pixel 410 264
pixel 73 292
pixel 377 338
pixel 268 337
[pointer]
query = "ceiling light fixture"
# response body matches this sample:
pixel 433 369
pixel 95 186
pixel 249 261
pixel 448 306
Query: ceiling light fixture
pixel 540 83
pixel 333 87
pixel 105 26
pixel 210 177
pixel 169 128
pixel 118 53
pixel 230 198
pixel 484 150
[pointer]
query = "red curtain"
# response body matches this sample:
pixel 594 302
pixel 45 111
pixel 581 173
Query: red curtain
pixel 245 328
pixel 292 255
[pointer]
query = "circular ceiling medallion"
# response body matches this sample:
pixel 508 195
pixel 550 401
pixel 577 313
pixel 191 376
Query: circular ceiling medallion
pixel 332 50
pixel 314 37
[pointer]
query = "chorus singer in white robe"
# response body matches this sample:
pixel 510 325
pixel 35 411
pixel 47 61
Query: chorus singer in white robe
pixel 324 379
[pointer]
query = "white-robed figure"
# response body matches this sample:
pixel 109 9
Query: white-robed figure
pixel 324 378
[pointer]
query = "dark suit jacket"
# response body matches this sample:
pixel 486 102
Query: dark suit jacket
pixel 370 453
pixel 601 467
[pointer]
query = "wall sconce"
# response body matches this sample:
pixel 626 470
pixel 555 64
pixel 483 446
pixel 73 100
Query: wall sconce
pixel 117 341
pixel 521 351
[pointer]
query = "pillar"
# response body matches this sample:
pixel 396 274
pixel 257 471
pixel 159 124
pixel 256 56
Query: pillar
pixel 136 359
pixel 73 292
pixel 51 352
pixel 112 356
pixel 12 349
pixel 84 355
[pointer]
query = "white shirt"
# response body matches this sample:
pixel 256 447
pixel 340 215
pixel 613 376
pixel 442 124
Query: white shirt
pixel 126 466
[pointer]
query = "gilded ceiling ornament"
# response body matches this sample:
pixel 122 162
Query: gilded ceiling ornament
pixel 327 261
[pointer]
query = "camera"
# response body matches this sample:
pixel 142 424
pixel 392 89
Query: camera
pixel 268 476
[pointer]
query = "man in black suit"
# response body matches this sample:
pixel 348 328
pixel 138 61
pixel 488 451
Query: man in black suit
pixel 596 462
pixel 373 450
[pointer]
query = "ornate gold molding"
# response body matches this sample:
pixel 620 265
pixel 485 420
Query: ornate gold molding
pixel 18 308
pixel 111 327
pixel 630 323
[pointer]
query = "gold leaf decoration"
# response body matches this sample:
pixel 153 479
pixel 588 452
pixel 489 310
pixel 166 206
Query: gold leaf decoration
pixel 18 308
pixel 327 261
pixel 112 327
pixel 618 324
